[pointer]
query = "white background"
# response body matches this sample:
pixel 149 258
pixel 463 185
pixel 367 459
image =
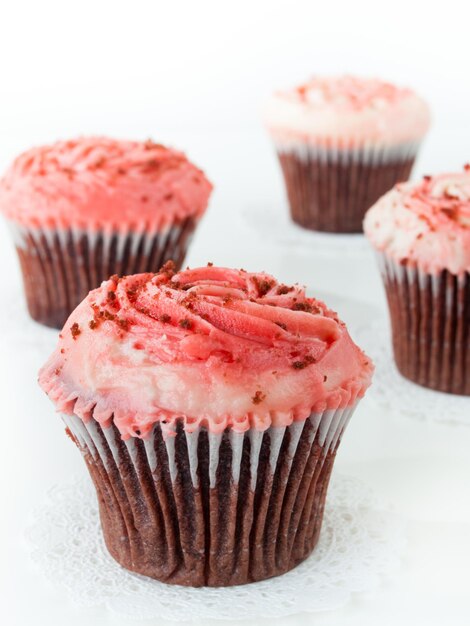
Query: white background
pixel 194 75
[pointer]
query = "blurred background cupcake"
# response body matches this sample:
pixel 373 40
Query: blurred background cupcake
pixel 85 209
pixel 342 143
pixel 421 232
pixel 208 406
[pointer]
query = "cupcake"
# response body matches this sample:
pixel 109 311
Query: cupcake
pixel 85 209
pixel 421 232
pixel 342 143
pixel 208 406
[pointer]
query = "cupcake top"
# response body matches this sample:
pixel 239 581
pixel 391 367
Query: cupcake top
pixel 425 224
pixel 99 183
pixel 209 346
pixel 346 112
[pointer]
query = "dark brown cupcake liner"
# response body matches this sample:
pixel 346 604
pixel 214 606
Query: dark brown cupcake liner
pixel 330 190
pixel 205 509
pixel 60 267
pixel 430 318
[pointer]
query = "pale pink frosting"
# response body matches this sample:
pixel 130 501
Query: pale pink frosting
pixel 212 346
pixel 347 112
pixel 425 224
pixel 99 183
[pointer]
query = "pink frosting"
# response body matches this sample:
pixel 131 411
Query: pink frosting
pixel 425 224
pixel 211 346
pixel 347 92
pixel 347 112
pixel 100 183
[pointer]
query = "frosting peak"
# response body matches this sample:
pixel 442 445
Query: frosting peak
pixel 212 345
pixel 97 182
pixel 426 224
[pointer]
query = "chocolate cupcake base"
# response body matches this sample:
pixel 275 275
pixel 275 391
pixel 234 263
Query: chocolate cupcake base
pixel 204 509
pixel 430 318
pixel 60 267
pixel 330 190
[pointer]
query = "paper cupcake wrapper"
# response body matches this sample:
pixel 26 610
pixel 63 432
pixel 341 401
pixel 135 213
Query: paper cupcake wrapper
pixel 61 266
pixel 368 154
pixel 330 189
pixel 212 509
pixel 430 318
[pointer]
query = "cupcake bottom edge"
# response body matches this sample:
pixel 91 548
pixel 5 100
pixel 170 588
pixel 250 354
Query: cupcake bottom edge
pixel 430 319
pixel 331 193
pixel 212 510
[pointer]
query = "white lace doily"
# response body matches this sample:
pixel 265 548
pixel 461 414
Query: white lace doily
pixel 275 224
pixel 361 539
pixel 392 391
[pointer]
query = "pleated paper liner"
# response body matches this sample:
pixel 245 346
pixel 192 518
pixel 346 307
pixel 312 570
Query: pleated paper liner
pixel 330 189
pixel 205 509
pixel 60 267
pixel 430 318
pixel 361 544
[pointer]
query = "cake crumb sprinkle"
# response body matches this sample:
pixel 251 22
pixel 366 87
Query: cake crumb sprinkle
pixel 75 330
pixel 258 397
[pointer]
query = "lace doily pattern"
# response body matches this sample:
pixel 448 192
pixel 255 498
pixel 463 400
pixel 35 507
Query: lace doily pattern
pixel 276 226
pixel 392 391
pixel 360 541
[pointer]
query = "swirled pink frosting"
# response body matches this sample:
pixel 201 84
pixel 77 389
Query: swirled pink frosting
pixel 100 183
pixel 347 111
pixel 425 224
pixel 212 346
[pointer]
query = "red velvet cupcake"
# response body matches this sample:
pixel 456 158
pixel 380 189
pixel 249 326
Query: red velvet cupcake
pixel 208 406
pixel 421 232
pixel 85 209
pixel 342 143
